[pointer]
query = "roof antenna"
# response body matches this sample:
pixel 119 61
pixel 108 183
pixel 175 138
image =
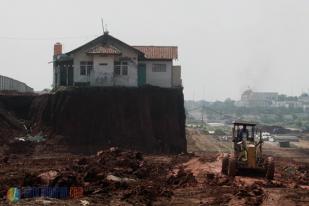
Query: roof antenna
pixel 102 25
pixel 106 30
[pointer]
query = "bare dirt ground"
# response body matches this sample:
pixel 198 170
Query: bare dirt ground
pixel 119 177
pixel 288 186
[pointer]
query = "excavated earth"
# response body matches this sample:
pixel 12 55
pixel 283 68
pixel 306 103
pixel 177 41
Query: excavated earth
pixel 124 177
pixel 148 119
pixel 115 174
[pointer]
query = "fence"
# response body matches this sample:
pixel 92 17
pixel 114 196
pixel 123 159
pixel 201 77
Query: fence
pixel 8 84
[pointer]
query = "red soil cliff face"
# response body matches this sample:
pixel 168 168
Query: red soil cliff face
pixel 147 119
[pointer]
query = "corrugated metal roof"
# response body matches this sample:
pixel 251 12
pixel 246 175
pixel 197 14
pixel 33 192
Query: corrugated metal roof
pixel 159 52
pixel 106 49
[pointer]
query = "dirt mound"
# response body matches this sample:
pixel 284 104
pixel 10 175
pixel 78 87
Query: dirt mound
pixel 112 172
pixel 252 194
pixel 292 173
pixel 182 179
pixel 148 119
pixel 121 177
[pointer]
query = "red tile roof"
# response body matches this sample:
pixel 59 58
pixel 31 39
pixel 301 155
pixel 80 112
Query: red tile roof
pixel 159 52
pixel 106 49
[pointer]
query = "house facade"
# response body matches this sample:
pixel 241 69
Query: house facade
pixel 107 61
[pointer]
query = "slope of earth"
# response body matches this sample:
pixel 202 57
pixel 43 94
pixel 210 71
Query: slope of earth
pixel 13 114
pixel 148 119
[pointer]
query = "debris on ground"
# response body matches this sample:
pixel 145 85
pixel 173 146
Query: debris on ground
pixel 252 194
pixel 182 178
pixel 36 138
pixel 84 202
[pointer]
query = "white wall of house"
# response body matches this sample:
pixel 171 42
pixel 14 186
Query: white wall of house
pixel 176 76
pixel 77 58
pixel 130 79
pixel 161 79
pixel 132 59
pixel 103 68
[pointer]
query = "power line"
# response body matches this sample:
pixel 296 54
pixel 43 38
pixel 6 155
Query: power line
pixel 45 38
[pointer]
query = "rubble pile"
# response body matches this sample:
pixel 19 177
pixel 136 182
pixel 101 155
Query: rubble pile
pixel 114 172
pixel 252 194
pixel 182 179
pixel 127 176
pixel 290 173
pixel 295 174
pixel 218 180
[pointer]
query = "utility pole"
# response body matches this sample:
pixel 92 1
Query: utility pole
pixel 203 108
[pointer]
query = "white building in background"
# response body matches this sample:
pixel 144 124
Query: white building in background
pixel 107 61
pixel 9 84
pixel 250 98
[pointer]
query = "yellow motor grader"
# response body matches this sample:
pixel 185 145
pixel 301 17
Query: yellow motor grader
pixel 247 152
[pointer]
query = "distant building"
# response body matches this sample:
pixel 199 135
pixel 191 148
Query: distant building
pixel 9 84
pixel 107 61
pixel 258 99
pixel 304 98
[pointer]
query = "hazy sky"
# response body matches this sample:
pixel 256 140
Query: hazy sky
pixel 225 46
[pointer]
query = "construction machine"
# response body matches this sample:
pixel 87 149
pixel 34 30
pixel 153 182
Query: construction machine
pixel 247 154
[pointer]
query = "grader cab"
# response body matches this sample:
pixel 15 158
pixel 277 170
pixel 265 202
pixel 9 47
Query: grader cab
pixel 247 152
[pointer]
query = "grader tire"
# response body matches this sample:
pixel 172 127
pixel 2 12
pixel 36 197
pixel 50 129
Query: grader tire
pixel 225 165
pixel 232 167
pixel 270 169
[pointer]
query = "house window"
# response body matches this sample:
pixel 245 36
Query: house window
pixel 82 70
pixel 159 68
pixel 117 68
pixel 89 70
pixel 124 66
pixel 125 71
pixel 86 68
pixel 121 68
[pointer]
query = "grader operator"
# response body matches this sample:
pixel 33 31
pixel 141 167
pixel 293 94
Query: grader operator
pixel 247 152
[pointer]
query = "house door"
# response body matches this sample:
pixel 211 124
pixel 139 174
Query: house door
pixel 141 74
pixel 66 75
pixel 63 76
pixel 70 76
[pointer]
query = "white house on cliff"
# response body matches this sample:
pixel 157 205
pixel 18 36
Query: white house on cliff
pixel 107 61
